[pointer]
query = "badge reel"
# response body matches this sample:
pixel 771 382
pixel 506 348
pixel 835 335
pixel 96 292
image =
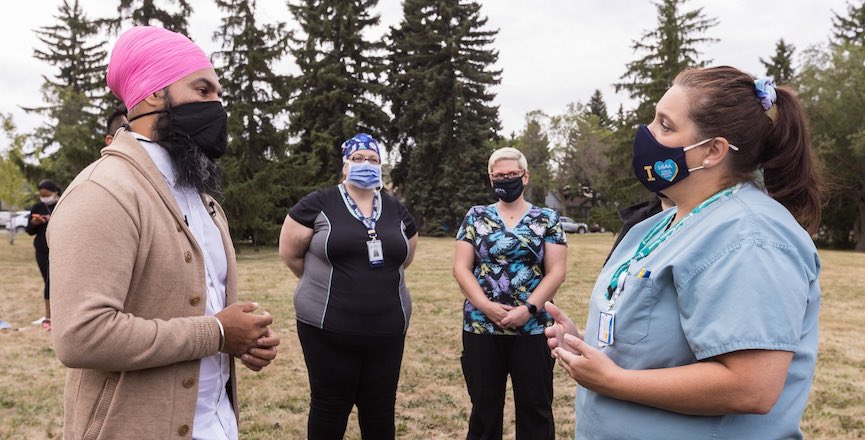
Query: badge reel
pixel 373 249
pixel 607 318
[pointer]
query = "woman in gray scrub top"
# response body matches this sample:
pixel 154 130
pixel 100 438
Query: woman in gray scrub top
pixel 703 323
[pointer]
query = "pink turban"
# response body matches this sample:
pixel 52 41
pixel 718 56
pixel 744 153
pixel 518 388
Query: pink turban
pixel 147 59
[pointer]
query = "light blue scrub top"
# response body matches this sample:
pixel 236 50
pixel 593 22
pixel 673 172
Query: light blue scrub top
pixel 741 274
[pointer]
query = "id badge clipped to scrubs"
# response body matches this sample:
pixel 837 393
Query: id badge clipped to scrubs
pixel 606 328
pixel 376 256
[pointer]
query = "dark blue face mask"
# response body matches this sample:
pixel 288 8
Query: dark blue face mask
pixel 657 166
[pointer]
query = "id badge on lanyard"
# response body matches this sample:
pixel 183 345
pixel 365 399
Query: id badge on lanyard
pixel 376 255
pixel 373 245
pixel 606 328
pixel 607 318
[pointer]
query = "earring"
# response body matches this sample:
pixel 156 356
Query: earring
pixel 706 163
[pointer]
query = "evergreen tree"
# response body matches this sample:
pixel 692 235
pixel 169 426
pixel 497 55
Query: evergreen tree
pixel 598 107
pixel 618 184
pixel 444 122
pixel 148 13
pixel 253 95
pixel 850 29
pixel 339 83
pixel 581 144
pixel 667 50
pixel 73 99
pixel 535 145
pixel 830 86
pixel 780 66
pixel 15 190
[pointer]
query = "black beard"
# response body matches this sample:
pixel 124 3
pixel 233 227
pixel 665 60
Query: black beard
pixel 194 169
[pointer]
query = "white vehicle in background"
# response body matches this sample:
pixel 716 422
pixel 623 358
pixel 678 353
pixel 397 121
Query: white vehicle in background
pixel 4 218
pixel 18 221
pixel 569 225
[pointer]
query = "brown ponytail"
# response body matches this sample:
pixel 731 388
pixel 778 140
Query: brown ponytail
pixel 724 103
pixel 790 169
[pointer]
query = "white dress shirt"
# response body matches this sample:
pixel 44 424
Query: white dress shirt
pixel 214 416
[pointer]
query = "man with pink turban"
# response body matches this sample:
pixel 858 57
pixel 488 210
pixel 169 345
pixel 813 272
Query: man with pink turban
pixel 144 279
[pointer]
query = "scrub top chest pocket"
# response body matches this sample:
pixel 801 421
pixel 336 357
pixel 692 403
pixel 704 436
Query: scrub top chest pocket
pixel 633 310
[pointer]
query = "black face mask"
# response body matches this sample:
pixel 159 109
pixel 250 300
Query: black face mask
pixel 508 190
pixel 202 123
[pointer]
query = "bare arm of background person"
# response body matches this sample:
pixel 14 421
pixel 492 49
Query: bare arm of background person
pixel 464 262
pixel 412 247
pixel 294 240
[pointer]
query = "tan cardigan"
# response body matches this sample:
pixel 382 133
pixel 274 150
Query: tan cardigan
pixel 127 300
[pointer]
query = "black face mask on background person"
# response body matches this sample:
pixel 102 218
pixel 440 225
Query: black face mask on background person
pixel 204 124
pixel 508 190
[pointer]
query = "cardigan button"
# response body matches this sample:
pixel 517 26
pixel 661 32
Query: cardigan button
pixel 183 430
pixel 188 382
pixel 194 300
pixel 187 256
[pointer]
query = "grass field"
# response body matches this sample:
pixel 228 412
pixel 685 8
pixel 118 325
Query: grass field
pixel 432 402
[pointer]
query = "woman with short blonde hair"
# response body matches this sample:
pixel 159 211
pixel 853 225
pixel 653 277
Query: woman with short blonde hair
pixel 509 260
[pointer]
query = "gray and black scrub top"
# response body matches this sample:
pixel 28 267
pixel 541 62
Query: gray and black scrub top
pixel 339 291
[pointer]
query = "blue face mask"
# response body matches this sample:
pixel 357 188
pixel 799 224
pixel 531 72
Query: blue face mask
pixel 657 166
pixel 364 175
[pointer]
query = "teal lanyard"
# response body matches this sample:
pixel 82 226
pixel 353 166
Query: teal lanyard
pixel 659 234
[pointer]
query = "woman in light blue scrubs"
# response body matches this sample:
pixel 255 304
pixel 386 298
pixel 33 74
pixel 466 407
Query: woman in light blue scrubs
pixel 703 323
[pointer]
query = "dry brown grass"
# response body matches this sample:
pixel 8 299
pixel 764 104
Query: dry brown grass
pixel 432 402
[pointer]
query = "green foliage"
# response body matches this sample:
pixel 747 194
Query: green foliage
pixel 580 144
pixel 667 50
pixel 598 107
pixel 148 13
pixel 780 66
pixel 849 29
pixel 70 137
pixel 253 95
pixel 14 187
pixel 444 122
pixel 535 146
pixel 831 85
pixel 339 83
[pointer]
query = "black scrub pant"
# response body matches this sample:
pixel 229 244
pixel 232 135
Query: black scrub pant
pixel 347 370
pixel 42 262
pixel 487 360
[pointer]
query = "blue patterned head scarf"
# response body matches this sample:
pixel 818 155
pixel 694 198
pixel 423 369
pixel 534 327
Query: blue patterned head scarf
pixel 766 92
pixel 360 141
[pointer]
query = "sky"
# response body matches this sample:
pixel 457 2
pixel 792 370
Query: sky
pixel 551 52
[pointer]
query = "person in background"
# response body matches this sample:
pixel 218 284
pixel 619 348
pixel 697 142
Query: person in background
pixel 509 260
pixel 144 273
pixel 37 224
pixel 631 215
pixel 115 120
pixel 703 324
pixel 349 245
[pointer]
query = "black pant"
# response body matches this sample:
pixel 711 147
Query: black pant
pixel 487 360
pixel 42 261
pixel 347 370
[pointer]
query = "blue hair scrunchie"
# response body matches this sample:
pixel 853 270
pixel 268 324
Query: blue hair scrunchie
pixel 766 92
pixel 360 141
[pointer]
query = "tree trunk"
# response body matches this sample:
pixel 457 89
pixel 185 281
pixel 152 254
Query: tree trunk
pixel 859 226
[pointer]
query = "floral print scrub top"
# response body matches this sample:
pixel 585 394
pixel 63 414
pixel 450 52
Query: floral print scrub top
pixel 509 264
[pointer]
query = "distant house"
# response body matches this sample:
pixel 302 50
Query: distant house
pixel 579 207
